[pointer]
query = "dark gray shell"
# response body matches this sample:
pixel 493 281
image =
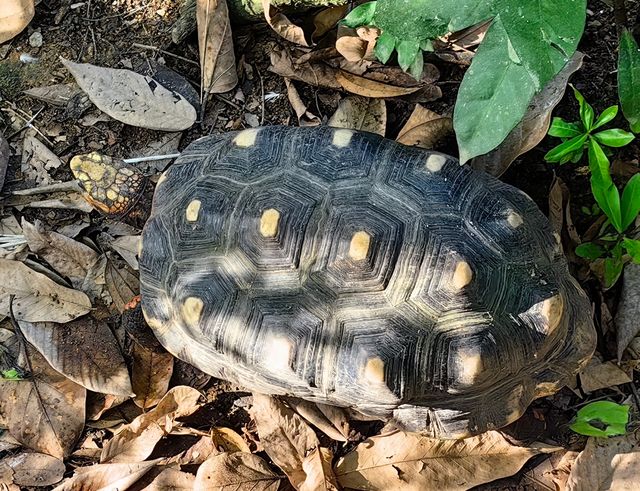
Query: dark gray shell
pixel 341 267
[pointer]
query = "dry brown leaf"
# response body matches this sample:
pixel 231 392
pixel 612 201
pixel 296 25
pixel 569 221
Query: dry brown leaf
pixel 283 26
pixel 151 372
pixel 44 412
pixel 317 467
pixel 607 464
pixel 409 461
pixel 353 48
pixel 56 94
pixel 628 316
pixel 312 73
pixel 14 17
pixel 197 453
pixel 238 471
pixel 5 153
pixel 424 128
pixel 34 469
pixel 227 440
pixel 331 420
pixel 127 246
pixel 217 59
pixel 98 403
pixel 326 19
pixel 367 87
pixel 70 258
pixel 133 98
pixel 305 117
pixel 38 160
pixel 597 375
pixel 123 284
pixel 552 473
pixel 285 436
pixel 85 351
pixel 533 126
pixel 37 298
pixel 361 113
pixel 171 479
pixel 107 477
pixel 135 441
pixel 560 217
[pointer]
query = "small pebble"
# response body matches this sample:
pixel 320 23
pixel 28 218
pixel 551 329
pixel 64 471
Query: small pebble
pixel 35 40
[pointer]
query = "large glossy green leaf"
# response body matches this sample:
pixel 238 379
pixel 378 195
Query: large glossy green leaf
pixel 604 190
pixel 630 205
pixel 629 79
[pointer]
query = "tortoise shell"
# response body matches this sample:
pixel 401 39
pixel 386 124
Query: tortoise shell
pixel 341 267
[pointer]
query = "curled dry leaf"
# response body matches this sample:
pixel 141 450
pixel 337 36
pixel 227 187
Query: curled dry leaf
pixel 107 476
pixel 283 26
pixel 37 298
pixel 15 15
pixel 607 463
pixel 560 217
pixel 239 471
pixel 123 284
pixel 317 467
pixel 424 128
pixel 305 117
pixel 172 479
pixel 127 246
pixel 331 420
pixel 85 351
pixel 217 59
pixel 38 160
pixel 533 127
pixel 627 323
pixel 409 461
pixel 598 375
pixel 367 87
pixel 361 113
pixel 227 440
pixel 44 412
pixel 135 441
pixel 33 469
pixel 326 19
pixel 133 98
pixel 352 47
pixel 312 73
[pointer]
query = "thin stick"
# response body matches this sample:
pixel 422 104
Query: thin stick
pixel 168 53
pixel 151 158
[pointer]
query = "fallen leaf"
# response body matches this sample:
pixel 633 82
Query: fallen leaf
pixel 317 467
pixel 217 59
pixel 561 219
pixel 133 98
pixel 607 463
pixel 282 25
pixel 227 440
pixel 56 94
pixel 198 452
pixel 37 298
pixel 331 420
pixel 285 436
pixel 127 246
pixel 305 117
pixel 409 461
pixel 44 412
pixel 123 284
pixel 238 471
pixel 135 441
pixel 85 351
pixel 353 48
pixel 424 128
pixel 98 404
pixel 361 113
pixel 533 126
pixel 628 316
pixel 14 17
pixel 367 87
pixel 70 258
pixel 598 375
pixel 551 473
pixel 38 160
pixel 34 469
pixel 151 372
pixel 326 19
pixel 106 477
pixel 312 73
pixel 5 153
pixel 171 479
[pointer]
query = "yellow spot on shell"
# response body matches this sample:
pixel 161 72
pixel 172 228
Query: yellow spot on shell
pixel 139 247
pixel 163 177
pixel 278 353
pixel 342 138
pixel 193 210
pixel 112 195
pixel 514 220
pixel 155 324
pixel 246 138
pixel 374 370
pixel 359 247
pixel 552 310
pixel 469 367
pixel 269 222
pixel 192 310
pixel 462 275
pixel 435 162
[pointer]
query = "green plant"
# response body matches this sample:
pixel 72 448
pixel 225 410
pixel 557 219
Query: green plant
pixel 616 246
pixel 11 374
pixel 629 79
pixel 601 418
pixel 526 45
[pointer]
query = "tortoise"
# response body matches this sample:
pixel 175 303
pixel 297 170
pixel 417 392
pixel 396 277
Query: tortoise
pixel 343 268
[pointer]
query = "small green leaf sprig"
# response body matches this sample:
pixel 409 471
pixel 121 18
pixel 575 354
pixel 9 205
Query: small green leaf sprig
pixel 616 246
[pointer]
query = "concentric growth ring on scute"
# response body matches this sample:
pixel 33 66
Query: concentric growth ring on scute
pixel 341 267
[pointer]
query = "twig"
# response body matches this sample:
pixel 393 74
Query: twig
pixel 50 188
pixel 151 158
pixel 168 53
pixel 26 125
pixel 123 14
pixel 227 101
pixel 261 94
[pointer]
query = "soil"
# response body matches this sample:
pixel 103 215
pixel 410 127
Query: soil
pixel 114 34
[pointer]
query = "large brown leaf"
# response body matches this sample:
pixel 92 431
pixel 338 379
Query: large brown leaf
pixel 33 469
pixel 217 60
pixel 103 477
pixel 37 298
pixel 15 15
pixel 361 113
pixel 627 318
pixel 368 87
pixel 239 471
pixel 122 282
pixel 409 461
pixel 151 372
pixel 44 412
pixel 85 351
pixel 317 467
pixel 171 479
pixel 282 25
pixel 424 128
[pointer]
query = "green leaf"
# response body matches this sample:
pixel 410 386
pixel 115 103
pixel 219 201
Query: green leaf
pixel 11 374
pixel 614 137
pixel 602 187
pixel 385 45
pixel 607 115
pixel 563 129
pixel 602 418
pixel 612 271
pixel 587 113
pixel 362 15
pixel 629 79
pixel 556 154
pixel 410 20
pixel 417 66
pixel 407 52
pixel 633 249
pixel 589 250
pixel 630 205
